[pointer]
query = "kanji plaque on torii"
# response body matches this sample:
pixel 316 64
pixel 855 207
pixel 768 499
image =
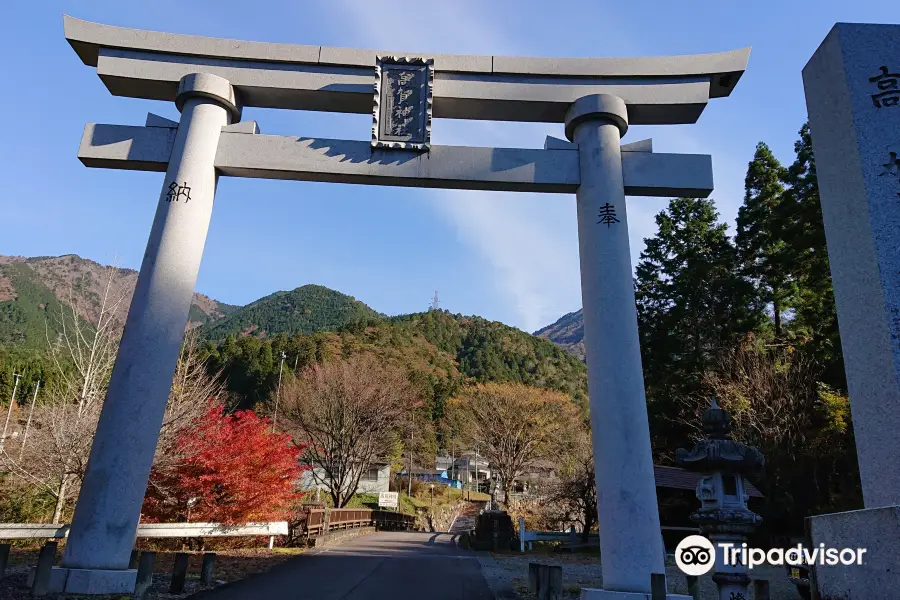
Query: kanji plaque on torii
pixel 403 97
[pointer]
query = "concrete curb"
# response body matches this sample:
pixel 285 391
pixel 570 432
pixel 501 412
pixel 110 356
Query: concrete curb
pixel 335 537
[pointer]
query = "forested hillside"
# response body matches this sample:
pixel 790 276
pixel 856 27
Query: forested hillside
pixel 748 318
pixel 438 350
pixel 751 319
pixel 31 289
pixel 310 324
pixel 491 351
pixel 27 307
pixel 305 310
pixel 38 293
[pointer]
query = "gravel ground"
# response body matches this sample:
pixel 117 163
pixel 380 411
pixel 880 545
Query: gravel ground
pixel 230 566
pixel 507 575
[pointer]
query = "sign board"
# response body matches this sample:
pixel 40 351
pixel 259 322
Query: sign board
pixel 388 499
pixel 403 98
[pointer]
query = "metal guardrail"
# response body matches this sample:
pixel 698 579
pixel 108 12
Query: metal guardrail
pixel 317 522
pixel 24 531
pixel 169 530
pixel 529 537
pixel 18 531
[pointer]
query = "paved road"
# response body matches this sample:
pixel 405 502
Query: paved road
pixel 380 566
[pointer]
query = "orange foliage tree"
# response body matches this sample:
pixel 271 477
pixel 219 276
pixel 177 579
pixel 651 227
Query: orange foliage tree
pixel 228 469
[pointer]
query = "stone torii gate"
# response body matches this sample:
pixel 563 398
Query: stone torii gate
pixel 210 80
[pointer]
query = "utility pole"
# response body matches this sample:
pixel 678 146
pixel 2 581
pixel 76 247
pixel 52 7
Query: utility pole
pixel 409 478
pixel 28 422
pixel 477 489
pixel 12 400
pixel 278 391
pixel 469 477
pixel 452 466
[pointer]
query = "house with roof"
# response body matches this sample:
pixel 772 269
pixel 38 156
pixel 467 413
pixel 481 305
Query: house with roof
pixel 435 476
pixel 375 479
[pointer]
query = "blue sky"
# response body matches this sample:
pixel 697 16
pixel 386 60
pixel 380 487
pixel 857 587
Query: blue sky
pixel 507 257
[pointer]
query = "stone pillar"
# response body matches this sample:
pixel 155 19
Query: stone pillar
pixel 630 540
pixel 106 516
pixel 852 86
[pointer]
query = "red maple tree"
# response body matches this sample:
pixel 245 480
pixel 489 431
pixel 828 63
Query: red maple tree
pixel 230 469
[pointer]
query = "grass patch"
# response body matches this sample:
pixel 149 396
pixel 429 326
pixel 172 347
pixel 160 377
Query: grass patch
pixel 421 500
pixel 288 551
pixel 364 501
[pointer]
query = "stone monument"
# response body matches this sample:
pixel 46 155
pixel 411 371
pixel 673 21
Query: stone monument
pixel 852 85
pixel 210 80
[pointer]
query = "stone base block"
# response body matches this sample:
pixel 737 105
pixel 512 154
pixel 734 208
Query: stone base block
pixel 89 581
pixel 595 594
pixel 875 529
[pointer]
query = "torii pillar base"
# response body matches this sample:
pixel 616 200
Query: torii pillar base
pixel 593 594
pixel 88 581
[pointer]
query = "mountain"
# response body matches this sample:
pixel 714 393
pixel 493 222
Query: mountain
pixel 490 351
pixel 567 332
pixel 440 351
pixel 32 291
pixel 305 310
pixel 27 307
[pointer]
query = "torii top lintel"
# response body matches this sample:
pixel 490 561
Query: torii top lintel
pixel 657 90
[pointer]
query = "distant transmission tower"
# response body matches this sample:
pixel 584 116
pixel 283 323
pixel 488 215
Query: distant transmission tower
pixel 435 303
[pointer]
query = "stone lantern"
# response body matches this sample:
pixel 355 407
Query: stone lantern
pixel 723 517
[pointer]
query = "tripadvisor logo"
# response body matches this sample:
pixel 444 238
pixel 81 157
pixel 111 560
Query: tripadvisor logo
pixel 696 555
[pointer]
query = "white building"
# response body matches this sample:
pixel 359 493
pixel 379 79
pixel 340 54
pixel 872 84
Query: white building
pixel 376 479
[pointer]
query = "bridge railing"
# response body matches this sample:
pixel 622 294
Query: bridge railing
pixel 323 520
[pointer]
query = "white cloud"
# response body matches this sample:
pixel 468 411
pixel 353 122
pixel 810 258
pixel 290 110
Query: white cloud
pixel 535 265
pixel 524 238
pixel 529 240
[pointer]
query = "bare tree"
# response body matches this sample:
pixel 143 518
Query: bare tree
pixel 801 426
pixel 63 425
pixel 89 347
pixel 346 414
pixel 513 425
pixel 193 386
pixel 771 394
pixel 58 447
pixel 575 489
pixel 84 354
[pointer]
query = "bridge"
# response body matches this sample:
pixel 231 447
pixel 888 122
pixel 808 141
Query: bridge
pixel 384 565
